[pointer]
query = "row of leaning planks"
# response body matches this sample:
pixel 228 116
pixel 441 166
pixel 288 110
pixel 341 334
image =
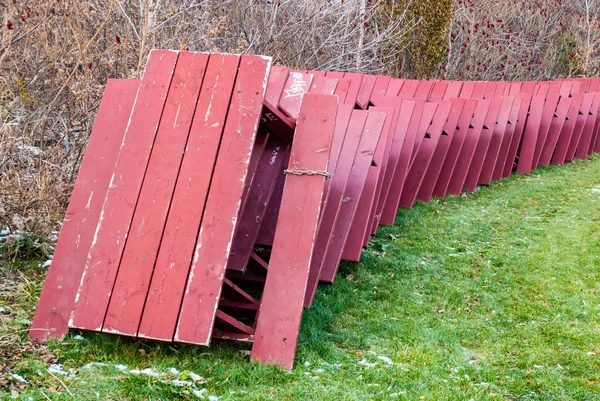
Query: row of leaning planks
pixel 218 191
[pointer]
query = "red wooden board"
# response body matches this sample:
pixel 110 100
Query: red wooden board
pixel 441 150
pixel 143 242
pixel 479 90
pixel 409 89
pixel 530 134
pixel 354 88
pixel 185 215
pixel 333 201
pixel 556 125
pixel 363 217
pixel 366 89
pixel 515 141
pixel 394 87
pixel 107 246
pixel 420 164
pixel 582 117
pixel 453 90
pixel 64 274
pixel 483 144
pixel 438 91
pixel 467 151
pixel 280 313
pixel 564 138
pixel 406 128
pixel 466 91
pixel 547 117
pixel 358 175
pixel 498 134
pixel 379 89
pixel 447 171
pixel 197 315
pixel 583 148
pixel 423 90
pixel 296 86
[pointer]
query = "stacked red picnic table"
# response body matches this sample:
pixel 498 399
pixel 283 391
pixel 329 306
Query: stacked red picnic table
pixel 218 191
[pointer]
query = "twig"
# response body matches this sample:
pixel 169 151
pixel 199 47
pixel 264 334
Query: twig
pixel 62 383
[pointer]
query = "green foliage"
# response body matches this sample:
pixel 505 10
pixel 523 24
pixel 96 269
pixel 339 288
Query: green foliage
pixel 568 58
pixel 24 248
pixel 425 46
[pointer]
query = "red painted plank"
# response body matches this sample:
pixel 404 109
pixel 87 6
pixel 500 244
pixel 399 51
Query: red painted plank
pixel 406 128
pixel 203 290
pixel 500 88
pixel 498 134
pixel 394 87
pixel 426 118
pixel 507 137
pixel 565 88
pixel 341 125
pixel 363 217
pixel 542 88
pixel 582 116
pixel 254 206
pixel 439 155
pixel 594 142
pixel 139 255
pixel 466 91
pixel 163 301
pixel 430 137
pixel 379 89
pixel 77 232
pixel 438 91
pixel 528 87
pixel 341 89
pixel 453 90
pixel 409 89
pixel 354 88
pixel 366 89
pixel 530 135
pixel 555 87
pixel 333 201
pixel 323 86
pixel 515 141
pixel 358 175
pixel 291 97
pixel 479 90
pixel 562 144
pixel 257 151
pixel 280 313
pixel 375 212
pixel 107 246
pixel 583 148
pixel 443 181
pixel 547 117
pixel 490 90
pixel 423 90
pixel 483 144
pixel 556 125
pixel 467 151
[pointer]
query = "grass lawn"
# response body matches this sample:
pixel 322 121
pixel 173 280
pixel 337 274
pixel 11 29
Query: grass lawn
pixel 491 295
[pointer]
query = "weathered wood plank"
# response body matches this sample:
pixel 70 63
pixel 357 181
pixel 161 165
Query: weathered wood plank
pixel 582 117
pixel 515 141
pixel 556 125
pixel 144 238
pixel 107 246
pixel 498 134
pixel 366 89
pixel 297 85
pixel 280 313
pixel 548 113
pixel 358 176
pixel 196 318
pixel 166 289
pixel 64 274
pixel 564 138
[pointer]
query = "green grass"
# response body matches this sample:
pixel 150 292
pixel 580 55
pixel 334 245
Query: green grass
pixel 491 295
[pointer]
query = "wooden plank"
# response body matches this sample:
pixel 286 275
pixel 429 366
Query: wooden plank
pixel 514 88
pixel 441 150
pixel 280 313
pixel 530 135
pixel 324 86
pixel 254 207
pixel 139 255
pixel 423 90
pixel 333 200
pixel 483 144
pixel 515 141
pixel 588 136
pixel 64 274
pixel 556 125
pixel 443 180
pixel 564 138
pixel 354 88
pixel 507 137
pixel 500 88
pixel 584 110
pixel 409 89
pixel 107 246
pixel 366 89
pixel 342 89
pixel 463 162
pixel 479 90
pixel 295 87
pixel 426 118
pixel 379 89
pixel 498 134
pixel 547 116
pixel 363 218
pixel 438 91
pixel 394 87
pixel 453 90
pixel 431 134
pixel 466 91
pixel 490 90
pixel 341 125
pixel 358 175
pixel 257 150
pixel 196 318
pixel 166 289
pixel 565 88
pixel 406 128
